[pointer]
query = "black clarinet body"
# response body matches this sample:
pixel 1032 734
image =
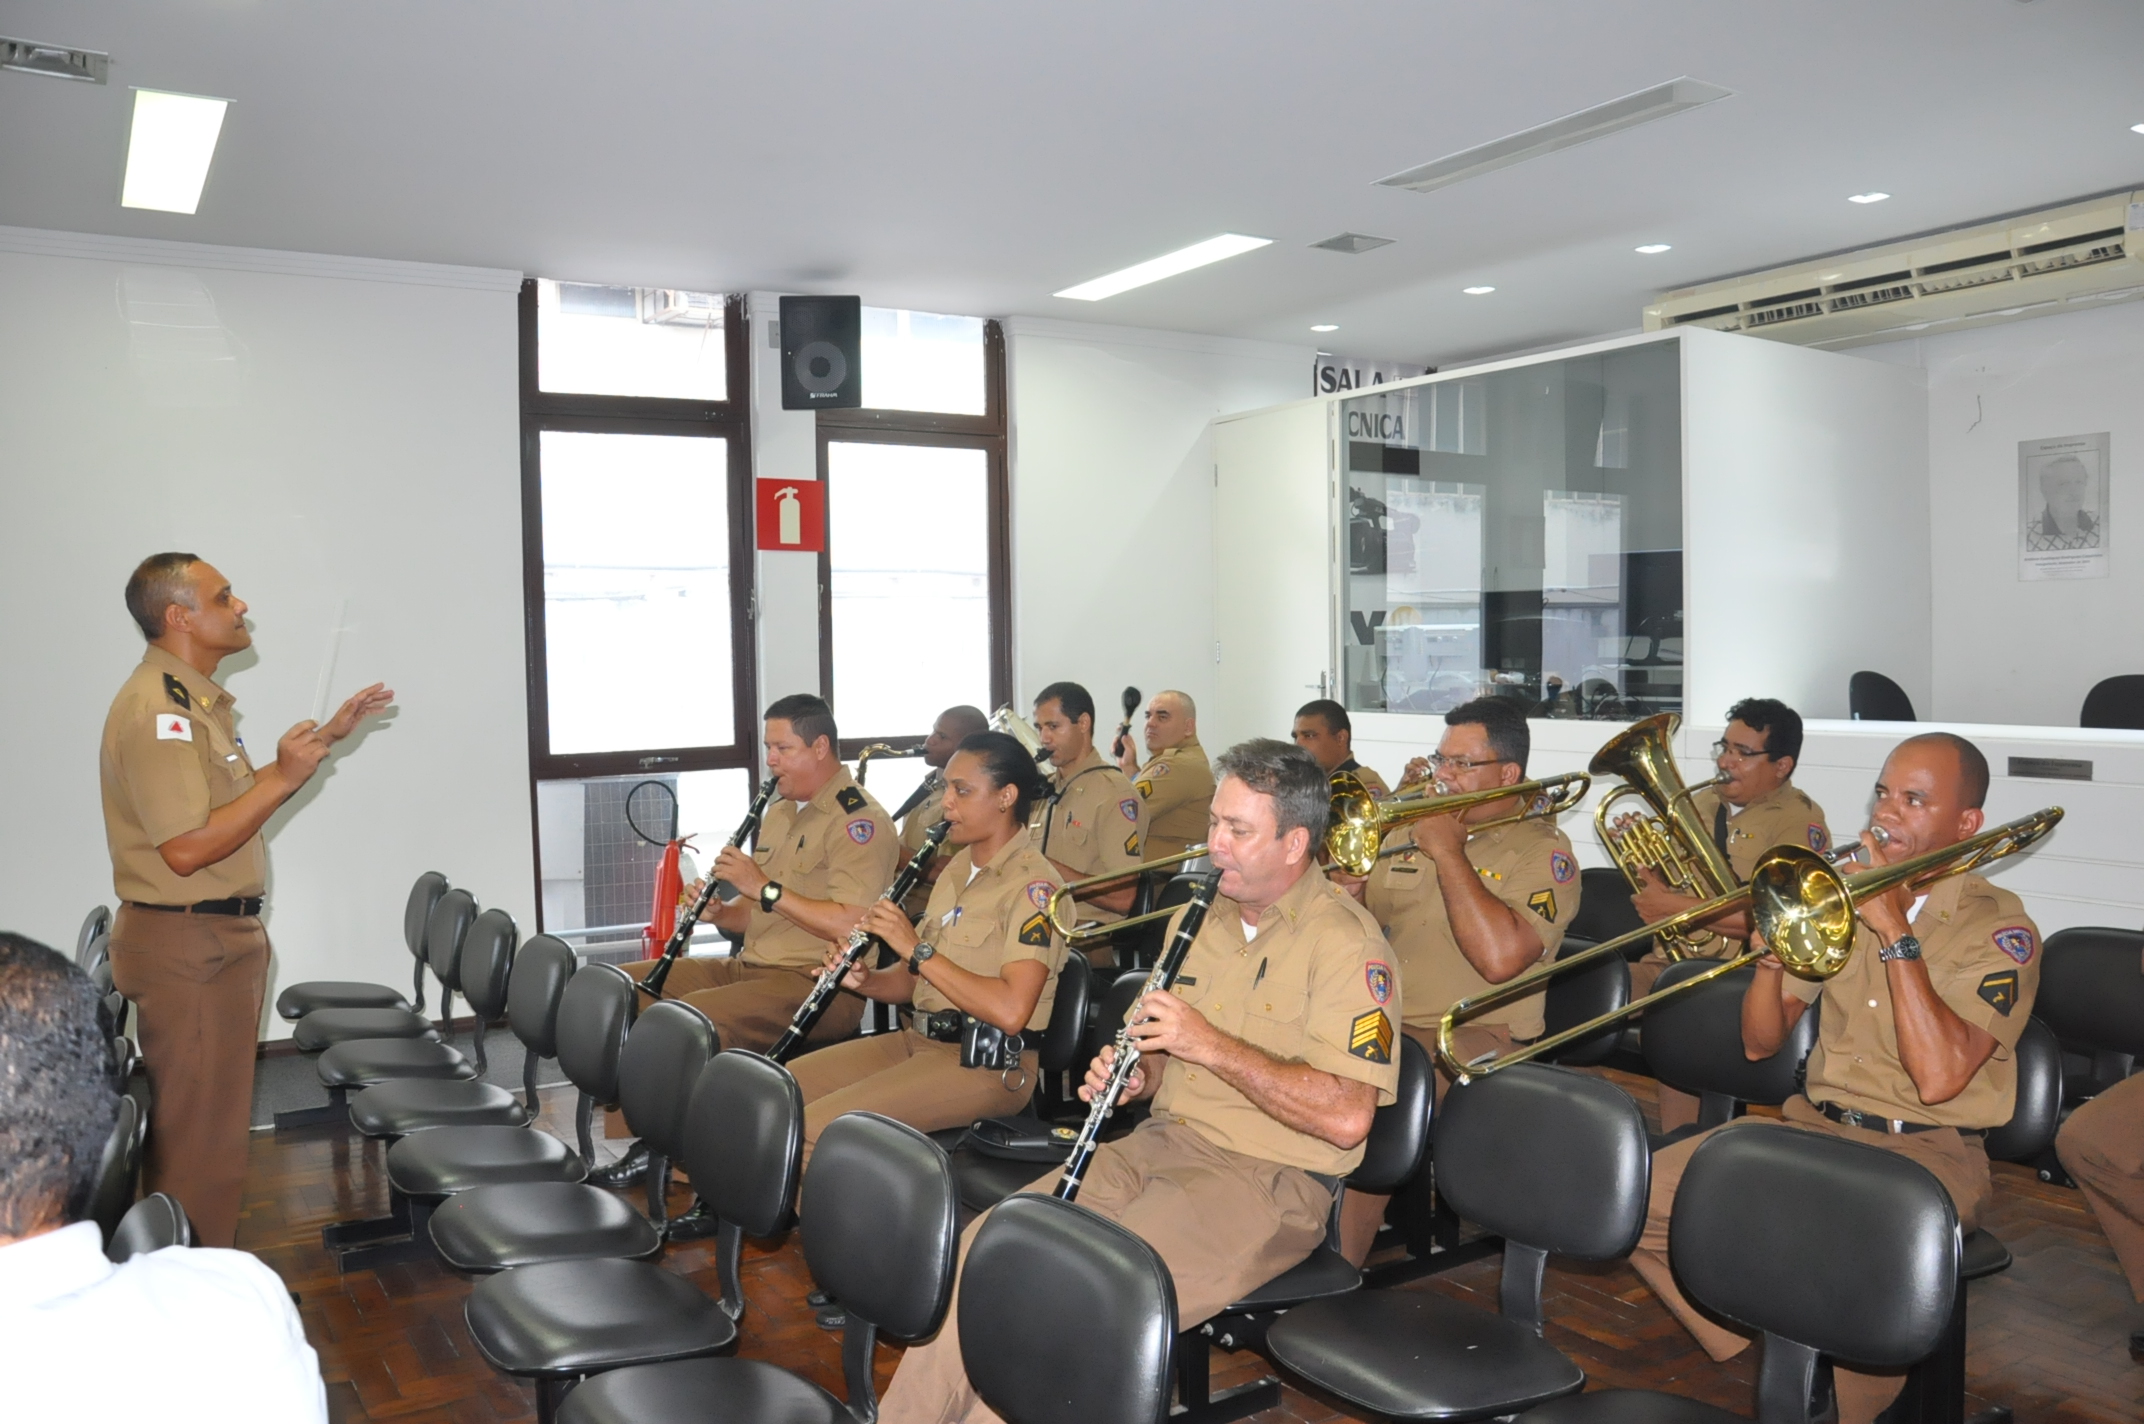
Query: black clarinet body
pixel 1120 1069
pixel 682 935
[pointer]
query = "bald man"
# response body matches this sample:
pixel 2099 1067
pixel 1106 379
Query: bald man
pixel 1177 781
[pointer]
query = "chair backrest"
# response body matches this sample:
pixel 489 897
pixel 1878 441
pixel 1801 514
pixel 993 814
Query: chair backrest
pixel 487 963
pixel 1872 697
pixel 743 1140
pixel 1152 937
pixel 118 1167
pixel 95 923
pixel 594 1016
pixel 881 1223
pixel 97 954
pixel 125 1058
pixel 445 932
pixel 1581 996
pixel 2114 702
pixel 1065 1316
pixel 1837 1246
pixel 541 969
pixel 1604 906
pixel 417 911
pixel 668 1046
pixel 2031 1128
pixel 2092 988
pixel 151 1224
pixel 1066 1031
pixel 1110 1009
pixel 1399 1133
pixel 1694 1040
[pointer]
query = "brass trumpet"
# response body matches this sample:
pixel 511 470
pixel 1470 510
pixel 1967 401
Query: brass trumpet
pixel 1361 821
pixel 1801 906
pixel 1672 845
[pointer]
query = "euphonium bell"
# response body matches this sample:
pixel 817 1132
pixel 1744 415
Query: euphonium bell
pixel 1672 845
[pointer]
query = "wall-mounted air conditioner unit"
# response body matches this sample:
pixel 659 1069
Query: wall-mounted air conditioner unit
pixel 664 306
pixel 2078 255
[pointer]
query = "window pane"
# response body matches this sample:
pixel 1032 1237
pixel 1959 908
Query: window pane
pixel 919 361
pixel 908 541
pixel 599 871
pixel 630 341
pixel 636 590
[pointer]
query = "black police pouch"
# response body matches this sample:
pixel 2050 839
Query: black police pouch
pixel 1025 1138
pixel 985 1045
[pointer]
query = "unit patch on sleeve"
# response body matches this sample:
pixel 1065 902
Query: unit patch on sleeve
pixel 1035 931
pixel 1159 767
pixel 2017 942
pixel 1039 893
pixel 170 727
pixel 1370 1036
pixel 1543 903
pixel 1559 865
pixel 851 798
pixel 1379 976
pixel 2000 991
pixel 176 691
pixel 861 830
pixel 1819 838
pixel 1130 808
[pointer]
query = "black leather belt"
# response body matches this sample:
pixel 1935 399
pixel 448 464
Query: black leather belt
pixel 241 905
pixel 1870 1122
pixel 942 1026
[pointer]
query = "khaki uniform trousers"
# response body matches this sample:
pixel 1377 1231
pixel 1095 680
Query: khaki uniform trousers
pixel 196 982
pixel 1223 1222
pixel 908 1078
pixel 2102 1146
pixel 1959 1163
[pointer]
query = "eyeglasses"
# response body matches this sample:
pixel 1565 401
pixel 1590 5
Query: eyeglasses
pixel 1725 748
pixel 1438 761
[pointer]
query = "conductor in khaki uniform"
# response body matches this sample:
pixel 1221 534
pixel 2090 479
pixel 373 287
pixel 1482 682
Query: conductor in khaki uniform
pixel 1265 1063
pixel 1177 781
pixel 1323 729
pixel 921 811
pixel 1465 908
pixel 2102 1146
pixel 1914 1051
pixel 1092 822
pixel 183 811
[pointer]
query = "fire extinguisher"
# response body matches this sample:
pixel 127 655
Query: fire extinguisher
pixel 669 898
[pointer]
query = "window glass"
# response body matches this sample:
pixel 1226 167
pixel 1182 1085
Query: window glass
pixel 921 361
pixel 630 341
pixel 636 591
pixel 596 838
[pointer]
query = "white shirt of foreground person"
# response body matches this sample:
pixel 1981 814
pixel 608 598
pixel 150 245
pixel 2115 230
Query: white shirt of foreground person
pixel 178 1335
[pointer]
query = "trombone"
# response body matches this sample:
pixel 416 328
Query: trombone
pixel 1061 902
pixel 1800 905
pixel 1672 844
pixel 1361 821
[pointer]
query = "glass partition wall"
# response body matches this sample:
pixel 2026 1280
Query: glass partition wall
pixel 1518 533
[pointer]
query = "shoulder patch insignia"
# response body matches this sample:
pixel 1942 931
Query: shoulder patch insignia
pixel 1559 865
pixel 1144 786
pixel 1158 767
pixel 1035 931
pixel 861 830
pixel 851 798
pixel 170 727
pixel 2017 942
pixel 1543 903
pixel 1378 974
pixel 1370 1036
pixel 1130 808
pixel 1131 844
pixel 1819 838
pixel 1039 893
pixel 176 691
pixel 2000 991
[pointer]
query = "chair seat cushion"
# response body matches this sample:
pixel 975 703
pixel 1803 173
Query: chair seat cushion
pixel 1414 1355
pixel 364 1061
pixel 1984 1255
pixel 985 1181
pixel 704 1391
pixel 581 1317
pixel 1324 1272
pixel 407 1105
pixel 324 1028
pixel 1628 1406
pixel 301 999
pixel 524 1223
pixel 441 1161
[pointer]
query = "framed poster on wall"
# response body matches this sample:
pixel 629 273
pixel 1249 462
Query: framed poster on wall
pixel 2062 507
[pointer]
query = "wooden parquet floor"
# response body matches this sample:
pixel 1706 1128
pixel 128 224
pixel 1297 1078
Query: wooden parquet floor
pixel 2049 1337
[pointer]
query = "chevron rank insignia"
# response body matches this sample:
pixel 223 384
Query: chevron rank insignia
pixel 2000 991
pixel 1370 1036
pixel 1145 788
pixel 1035 931
pixel 1131 844
pixel 176 691
pixel 1543 903
pixel 851 798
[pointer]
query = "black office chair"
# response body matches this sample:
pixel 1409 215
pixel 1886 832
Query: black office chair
pixel 1581 997
pixel 1694 1042
pixel 151 1224
pixel 1139 948
pixel 1604 907
pixel 118 1169
pixel 1551 1160
pixel 445 929
pixel 1869 1279
pixel 985 1180
pixel 2092 996
pixel 98 922
pixel 295 1002
pixel 1066 1317
pixel 1872 697
pixel 114 1002
pixel 2114 702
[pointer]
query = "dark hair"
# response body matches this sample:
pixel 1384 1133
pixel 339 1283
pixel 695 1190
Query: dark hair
pixel 156 583
pixel 1075 700
pixel 1007 763
pixel 966 720
pixel 1302 794
pixel 1781 725
pixel 57 1103
pixel 1330 712
pixel 1505 722
pixel 808 716
pixel 1972 766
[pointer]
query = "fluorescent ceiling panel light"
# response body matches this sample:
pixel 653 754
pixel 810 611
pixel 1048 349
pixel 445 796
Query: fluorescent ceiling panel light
pixel 59 61
pixel 1651 248
pixel 168 151
pixel 1328 326
pixel 1184 259
pixel 1567 132
pixel 1868 197
pixel 1477 291
pixel 2136 128
pixel 1353 243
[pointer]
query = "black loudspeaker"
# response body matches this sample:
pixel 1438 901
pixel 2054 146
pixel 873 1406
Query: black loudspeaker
pixel 822 355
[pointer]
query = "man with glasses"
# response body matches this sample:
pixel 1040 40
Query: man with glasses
pixel 1466 909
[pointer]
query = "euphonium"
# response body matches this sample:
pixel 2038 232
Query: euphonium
pixel 1672 845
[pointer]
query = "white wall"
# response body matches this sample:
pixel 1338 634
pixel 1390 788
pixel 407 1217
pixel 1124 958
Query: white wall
pixel 320 429
pixel 2007 651
pixel 785 446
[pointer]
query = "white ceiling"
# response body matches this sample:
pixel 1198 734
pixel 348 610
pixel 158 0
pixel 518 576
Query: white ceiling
pixel 974 158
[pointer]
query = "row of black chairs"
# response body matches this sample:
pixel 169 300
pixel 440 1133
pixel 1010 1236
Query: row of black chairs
pixel 2113 702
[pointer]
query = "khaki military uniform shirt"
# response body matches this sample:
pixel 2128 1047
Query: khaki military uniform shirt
pixel 1177 786
pixel 171 755
pixel 997 917
pixel 1096 826
pixel 1785 816
pixel 1983 956
pixel 1527 865
pixel 1313 985
pixel 1371 781
pixel 838 846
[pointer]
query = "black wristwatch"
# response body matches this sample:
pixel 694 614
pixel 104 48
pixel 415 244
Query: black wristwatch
pixel 1904 947
pixel 770 895
pixel 924 950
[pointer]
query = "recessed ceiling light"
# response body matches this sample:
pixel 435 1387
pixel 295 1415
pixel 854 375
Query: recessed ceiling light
pixel 1184 259
pixel 1477 291
pixel 1867 197
pixel 2136 128
pixel 168 150
pixel 1651 248
pixel 1327 326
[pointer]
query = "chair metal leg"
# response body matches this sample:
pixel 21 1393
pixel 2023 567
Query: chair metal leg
pixel 417 1246
pixel 729 1259
pixel 335 1109
pixel 337 1234
pixel 1935 1388
pixel 1195 1401
pixel 550 1393
pixel 1431 1229
pixel 584 1127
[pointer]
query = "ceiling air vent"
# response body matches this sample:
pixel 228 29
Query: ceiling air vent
pixel 1353 243
pixel 59 61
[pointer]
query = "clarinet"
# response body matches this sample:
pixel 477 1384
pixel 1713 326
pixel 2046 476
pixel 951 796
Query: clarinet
pixel 682 936
pixel 1120 1070
pixel 822 993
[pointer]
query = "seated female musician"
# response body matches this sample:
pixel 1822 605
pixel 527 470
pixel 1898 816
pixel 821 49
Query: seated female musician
pixel 984 951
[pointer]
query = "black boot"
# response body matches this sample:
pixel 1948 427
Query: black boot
pixel 627 1171
pixel 695 1225
pixel 833 1315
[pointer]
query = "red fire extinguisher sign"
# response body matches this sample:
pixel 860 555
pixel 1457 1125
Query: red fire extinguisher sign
pixel 791 515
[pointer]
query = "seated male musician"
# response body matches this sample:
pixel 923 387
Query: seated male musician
pixel 1914 1049
pixel 2102 1146
pixel 1323 729
pixel 1177 781
pixel 825 852
pixel 1466 909
pixel 1266 1064
pixel 921 810
pixel 1093 822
